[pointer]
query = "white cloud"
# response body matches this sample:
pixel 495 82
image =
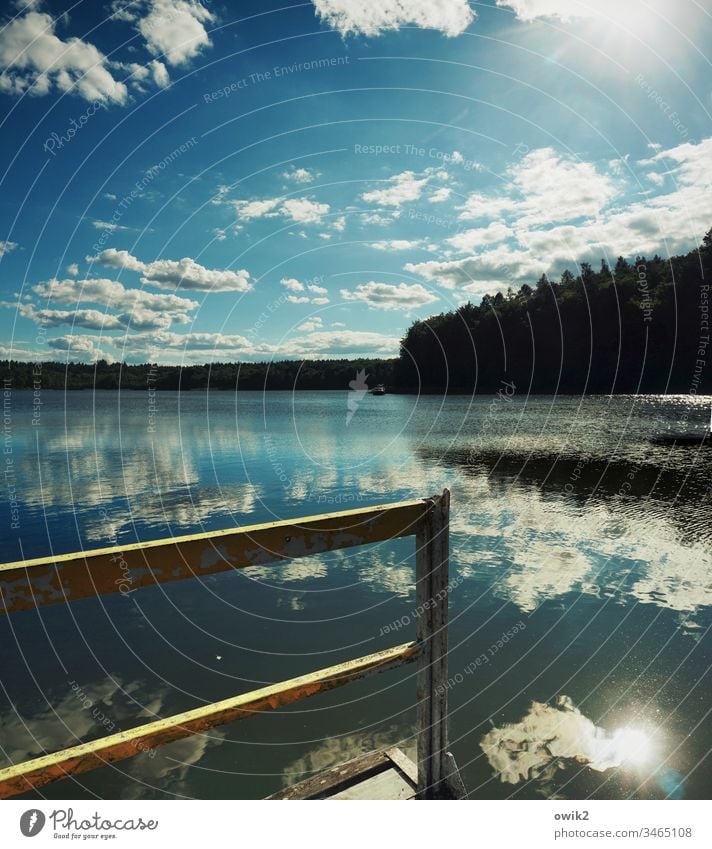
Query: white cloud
pixel 476 237
pixel 35 60
pixel 491 271
pixel 249 209
pixel 451 17
pixel 81 347
pixel 312 288
pixel 576 199
pixel 379 220
pixel 299 210
pixel 304 211
pixel 299 175
pixel 341 343
pixel 174 29
pixel 185 273
pixel 73 269
pixel 565 10
pixel 389 297
pixel 395 244
pixel 292 284
pixel 311 324
pixel 440 195
pixel 160 74
pixel 111 294
pixel 111 226
pixel 6 247
pixel 137 319
pixel 339 224
pixel 400 189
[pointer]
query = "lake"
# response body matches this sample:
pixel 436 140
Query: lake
pixel 580 614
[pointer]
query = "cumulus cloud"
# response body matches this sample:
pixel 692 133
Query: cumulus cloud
pixel 111 294
pixel 476 237
pixel 299 210
pixel 490 271
pixel 35 60
pixel 559 211
pixel 389 297
pixel 299 175
pixel 545 187
pixel 91 319
pixel 160 74
pixel 451 17
pixel 304 211
pixel 6 247
pixel 172 29
pixel 310 324
pixel 340 343
pixel 83 348
pixel 400 189
pixel 185 273
pixel 440 195
pixel 307 292
pixel 395 244
pixel 292 284
pixel 565 10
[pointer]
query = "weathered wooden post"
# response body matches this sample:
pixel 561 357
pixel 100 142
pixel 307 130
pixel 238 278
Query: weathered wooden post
pixel 432 554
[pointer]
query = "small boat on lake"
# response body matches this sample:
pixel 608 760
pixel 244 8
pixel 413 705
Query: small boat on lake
pixel 378 390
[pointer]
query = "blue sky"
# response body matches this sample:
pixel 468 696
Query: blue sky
pixel 195 182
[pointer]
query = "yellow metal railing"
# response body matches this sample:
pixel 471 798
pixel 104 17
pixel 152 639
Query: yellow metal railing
pixel 51 580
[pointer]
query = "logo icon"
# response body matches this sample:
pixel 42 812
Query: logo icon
pixel 32 822
pixel 359 388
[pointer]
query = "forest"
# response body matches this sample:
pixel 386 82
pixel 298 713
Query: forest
pixel 641 326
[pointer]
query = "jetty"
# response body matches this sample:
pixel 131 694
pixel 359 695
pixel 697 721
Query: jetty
pixel 385 774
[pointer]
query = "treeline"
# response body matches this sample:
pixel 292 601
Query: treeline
pixel 641 326
pixel 287 374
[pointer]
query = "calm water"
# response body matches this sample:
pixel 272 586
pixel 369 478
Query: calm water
pixel 581 555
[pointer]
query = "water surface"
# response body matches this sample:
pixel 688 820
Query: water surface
pixel 579 616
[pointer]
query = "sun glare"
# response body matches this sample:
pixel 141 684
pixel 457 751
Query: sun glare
pixel 632 746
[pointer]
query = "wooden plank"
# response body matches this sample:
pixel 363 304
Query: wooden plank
pixel 404 763
pixel 432 563
pixel 387 785
pixel 335 779
pixel 124 744
pixel 48 580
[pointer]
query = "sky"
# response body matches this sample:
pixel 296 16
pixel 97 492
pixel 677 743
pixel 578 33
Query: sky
pixel 196 182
